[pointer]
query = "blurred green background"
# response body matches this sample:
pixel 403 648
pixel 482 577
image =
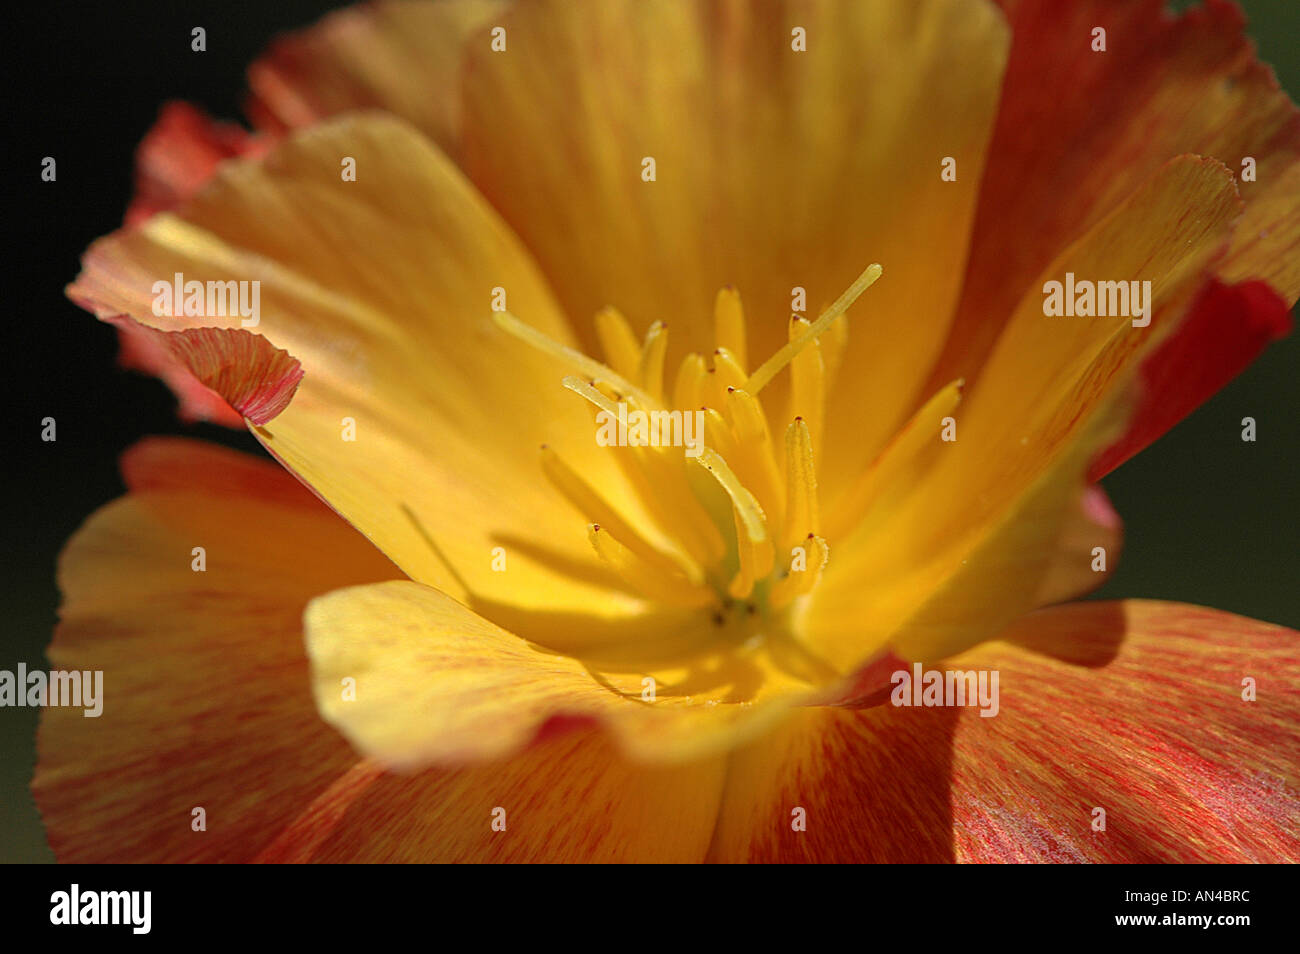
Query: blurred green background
pixel 1210 519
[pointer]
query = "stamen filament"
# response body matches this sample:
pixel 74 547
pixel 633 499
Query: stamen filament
pixel 801 482
pixel 750 514
pixel 756 457
pixel 729 324
pixel 834 342
pixel 588 391
pixel 689 389
pixel 769 368
pixel 798 582
pixel 718 435
pixel 643 576
pixel 650 367
pixel 742 584
pixel 808 385
pixel 597 509
pixel 622 353
pixel 590 367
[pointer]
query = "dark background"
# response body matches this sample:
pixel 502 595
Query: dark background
pixel 1210 519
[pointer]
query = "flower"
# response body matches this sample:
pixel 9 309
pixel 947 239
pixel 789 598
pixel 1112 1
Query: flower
pixel 635 653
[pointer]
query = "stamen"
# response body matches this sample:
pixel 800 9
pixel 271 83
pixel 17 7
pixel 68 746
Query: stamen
pixel 754 537
pixel 588 391
pixel 769 368
pixel 661 479
pixel 689 390
pixel 643 576
pixel 652 473
pixel 727 372
pixel 597 509
pixel 590 367
pixel 650 367
pixel 751 513
pixel 801 482
pixel 729 324
pixel 798 582
pixel 718 435
pixel 755 456
pixel 808 385
pixel 686 558
pixel 742 584
pixel 622 353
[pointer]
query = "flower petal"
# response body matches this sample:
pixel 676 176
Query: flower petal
pixel 255 379
pixel 206 697
pixel 1102 122
pixel 1159 737
pixel 418 419
pixel 768 175
pixel 570 798
pixel 1227 328
pixel 403 58
pixel 179 154
pixel 975 543
pixel 432 683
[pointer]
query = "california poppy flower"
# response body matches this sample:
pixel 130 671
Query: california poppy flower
pixel 826 227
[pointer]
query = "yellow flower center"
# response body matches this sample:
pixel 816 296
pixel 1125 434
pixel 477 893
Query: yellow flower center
pixel 736 531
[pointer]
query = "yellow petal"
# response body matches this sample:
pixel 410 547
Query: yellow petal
pixel 739 124
pixel 417 419
pixel 970 547
pixel 438 685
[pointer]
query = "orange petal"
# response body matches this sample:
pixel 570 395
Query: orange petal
pixel 252 377
pixel 403 58
pixel 1145 719
pixel 206 699
pixel 141 349
pixel 570 798
pixel 1104 122
pixel 1227 327
pixel 179 154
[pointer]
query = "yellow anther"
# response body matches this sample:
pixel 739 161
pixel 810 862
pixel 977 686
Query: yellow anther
pixel 808 385
pixel 729 324
pixel 622 353
pixel 689 391
pixel 800 484
pixel 650 366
